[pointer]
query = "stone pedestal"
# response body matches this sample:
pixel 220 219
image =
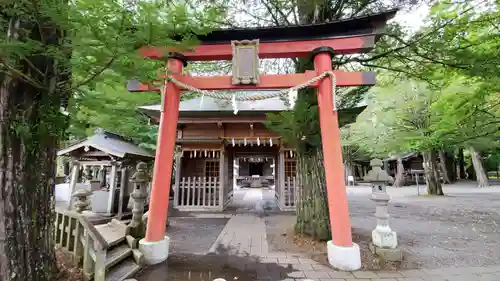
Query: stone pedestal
pixel 154 252
pixel 384 237
pixel 344 258
pixel 387 254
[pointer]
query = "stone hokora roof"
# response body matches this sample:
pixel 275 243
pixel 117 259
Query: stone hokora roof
pixel 110 143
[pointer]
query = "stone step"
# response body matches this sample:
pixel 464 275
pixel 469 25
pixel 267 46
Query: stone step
pixel 117 254
pixel 138 257
pixel 132 242
pixel 122 270
pixel 113 232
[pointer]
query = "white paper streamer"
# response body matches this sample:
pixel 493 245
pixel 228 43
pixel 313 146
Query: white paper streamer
pixel 235 106
pixel 292 98
pixel 234 144
pixel 258 141
pixel 270 142
pixel 245 141
pixel 201 101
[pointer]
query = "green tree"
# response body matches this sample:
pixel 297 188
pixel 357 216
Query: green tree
pixel 403 112
pixel 304 132
pixel 469 110
pixel 111 107
pixel 52 51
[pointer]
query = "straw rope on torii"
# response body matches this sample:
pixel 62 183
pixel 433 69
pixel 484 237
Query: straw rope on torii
pixel 291 93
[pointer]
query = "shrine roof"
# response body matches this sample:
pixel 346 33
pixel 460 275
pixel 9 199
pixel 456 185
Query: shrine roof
pixel 369 24
pixel 110 143
pixel 208 104
pixel 405 156
pixel 212 107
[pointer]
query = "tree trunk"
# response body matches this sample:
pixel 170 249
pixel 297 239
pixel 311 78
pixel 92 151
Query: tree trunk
pixel 461 164
pixel 312 209
pixel 359 170
pixel 349 170
pixel 444 167
pixel 431 174
pixel 481 177
pixel 451 166
pixel 399 180
pixel 30 129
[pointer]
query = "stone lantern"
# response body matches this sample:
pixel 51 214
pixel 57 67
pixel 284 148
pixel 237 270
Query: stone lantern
pixel 81 200
pixel 384 240
pixel 137 227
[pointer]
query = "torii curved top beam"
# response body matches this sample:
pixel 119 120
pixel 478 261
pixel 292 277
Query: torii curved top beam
pixel 350 36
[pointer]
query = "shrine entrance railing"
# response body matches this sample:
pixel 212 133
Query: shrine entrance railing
pixel 199 193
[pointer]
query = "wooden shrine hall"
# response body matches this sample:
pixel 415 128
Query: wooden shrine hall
pixel 214 145
pixel 210 140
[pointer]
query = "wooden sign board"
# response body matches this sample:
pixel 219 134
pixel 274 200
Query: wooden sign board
pixel 245 62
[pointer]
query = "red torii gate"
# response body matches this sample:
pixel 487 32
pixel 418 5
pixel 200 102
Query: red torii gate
pixel 319 41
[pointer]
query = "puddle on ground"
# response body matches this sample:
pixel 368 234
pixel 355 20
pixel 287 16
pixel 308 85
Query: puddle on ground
pixel 188 267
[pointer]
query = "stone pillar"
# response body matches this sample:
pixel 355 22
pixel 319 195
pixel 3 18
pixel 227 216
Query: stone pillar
pixel 102 177
pixel 87 174
pixel 384 240
pixel 123 187
pixel 75 169
pixel 137 227
pixel 81 200
pixel 112 188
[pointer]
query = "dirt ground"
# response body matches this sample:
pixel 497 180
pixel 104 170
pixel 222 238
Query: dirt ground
pixel 281 238
pixel 68 271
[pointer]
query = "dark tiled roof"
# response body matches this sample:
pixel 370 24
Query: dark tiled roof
pixel 110 143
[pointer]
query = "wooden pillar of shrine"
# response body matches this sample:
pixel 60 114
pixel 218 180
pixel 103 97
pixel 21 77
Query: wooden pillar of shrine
pixel 178 169
pixel 281 177
pixel 223 179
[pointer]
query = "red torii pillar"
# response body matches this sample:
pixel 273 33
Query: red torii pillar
pixel 342 252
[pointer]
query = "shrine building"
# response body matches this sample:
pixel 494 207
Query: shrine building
pixel 218 151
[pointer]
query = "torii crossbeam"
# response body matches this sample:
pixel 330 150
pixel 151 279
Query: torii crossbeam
pixel 318 41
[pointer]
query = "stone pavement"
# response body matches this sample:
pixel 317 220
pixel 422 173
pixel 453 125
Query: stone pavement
pixel 305 268
pixel 245 235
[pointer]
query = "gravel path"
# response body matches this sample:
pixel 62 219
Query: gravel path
pixel 459 229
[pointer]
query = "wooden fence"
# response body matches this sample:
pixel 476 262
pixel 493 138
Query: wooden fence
pixel 198 193
pixel 287 194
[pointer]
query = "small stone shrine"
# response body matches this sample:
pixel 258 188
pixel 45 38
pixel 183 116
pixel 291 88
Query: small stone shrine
pixel 102 165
